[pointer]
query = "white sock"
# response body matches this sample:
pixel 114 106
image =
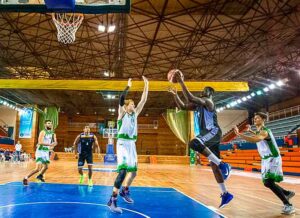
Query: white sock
pixel 213 158
pixel 222 187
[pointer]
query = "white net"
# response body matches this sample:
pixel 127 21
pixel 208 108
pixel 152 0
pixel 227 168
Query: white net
pixel 67 25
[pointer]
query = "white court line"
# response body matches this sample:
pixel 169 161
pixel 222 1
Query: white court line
pixel 265 200
pixel 76 184
pixel 208 207
pixel 86 203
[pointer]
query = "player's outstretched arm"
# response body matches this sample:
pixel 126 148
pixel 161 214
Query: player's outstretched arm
pixel 76 145
pixel 253 139
pixel 190 97
pixel 141 104
pixel 180 104
pixel 123 98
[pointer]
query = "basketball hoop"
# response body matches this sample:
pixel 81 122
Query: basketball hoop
pixel 67 25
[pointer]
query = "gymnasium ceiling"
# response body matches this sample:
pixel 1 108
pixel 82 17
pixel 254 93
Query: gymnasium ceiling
pixel 242 40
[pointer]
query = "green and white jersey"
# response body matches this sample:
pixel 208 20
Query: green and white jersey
pixel 127 127
pixel 48 139
pixel 267 147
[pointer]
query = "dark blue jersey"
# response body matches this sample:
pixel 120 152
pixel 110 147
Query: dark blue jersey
pixel 208 120
pixel 86 142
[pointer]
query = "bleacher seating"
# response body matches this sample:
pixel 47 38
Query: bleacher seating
pixel 281 127
pixel 250 160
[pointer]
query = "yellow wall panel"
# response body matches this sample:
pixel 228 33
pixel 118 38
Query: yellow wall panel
pixel 113 85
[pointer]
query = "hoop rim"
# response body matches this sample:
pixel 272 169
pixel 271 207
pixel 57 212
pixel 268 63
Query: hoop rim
pixel 61 22
pixel 73 13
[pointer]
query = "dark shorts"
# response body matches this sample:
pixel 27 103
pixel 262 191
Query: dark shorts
pixel 88 157
pixel 212 140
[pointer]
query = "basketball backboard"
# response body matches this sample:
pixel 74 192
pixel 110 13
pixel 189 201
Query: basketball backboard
pixel 81 6
pixel 110 133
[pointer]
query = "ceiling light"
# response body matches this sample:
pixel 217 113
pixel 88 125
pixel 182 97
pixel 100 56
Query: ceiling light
pixel 279 83
pixel 272 86
pixel 111 28
pixel 252 94
pixel 259 92
pixel 233 103
pixel 106 73
pixel 249 96
pixel 239 101
pixel 266 89
pixel 101 28
pixel 244 99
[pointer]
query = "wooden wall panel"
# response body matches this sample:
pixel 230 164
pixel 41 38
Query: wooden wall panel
pixel 160 141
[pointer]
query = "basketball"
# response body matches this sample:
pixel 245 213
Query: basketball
pixel 172 76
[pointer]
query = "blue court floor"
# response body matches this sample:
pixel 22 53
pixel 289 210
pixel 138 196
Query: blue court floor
pixel 68 200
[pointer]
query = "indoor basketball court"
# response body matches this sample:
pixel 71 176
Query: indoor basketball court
pixel 145 108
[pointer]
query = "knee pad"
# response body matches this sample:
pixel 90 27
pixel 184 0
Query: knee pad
pixel 196 145
pixel 120 178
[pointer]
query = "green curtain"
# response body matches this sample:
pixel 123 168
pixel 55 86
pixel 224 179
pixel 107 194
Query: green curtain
pixel 50 113
pixel 179 124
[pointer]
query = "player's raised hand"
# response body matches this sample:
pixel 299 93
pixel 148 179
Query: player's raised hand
pixel 129 83
pixel 172 90
pixel 145 80
pixel 179 75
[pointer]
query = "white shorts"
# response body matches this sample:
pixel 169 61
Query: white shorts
pixel 42 157
pixel 127 156
pixel 271 168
